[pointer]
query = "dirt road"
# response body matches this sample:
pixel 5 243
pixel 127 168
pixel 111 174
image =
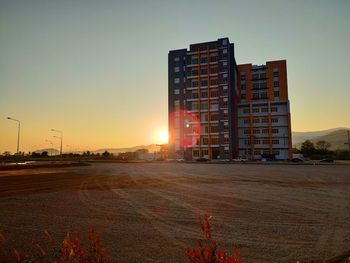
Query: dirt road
pixel 273 213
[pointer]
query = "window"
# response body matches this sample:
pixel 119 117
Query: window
pixel 213 70
pixel 224 42
pixel 214 128
pixel 205 140
pixel 214 105
pixel 255 95
pixel 246 110
pixel 213 57
pixel 204 105
pixel 176 59
pixel 263 85
pixel 243 96
pixel 176 69
pixel 275 74
pixel 225 92
pixel 194 60
pixel 204 129
pixel 204 71
pixel 263 95
pixel 176 91
pixel 242 75
pixel 204 117
pixel 255 76
pixel 226 140
pixel 274 120
pixel 214 117
pixel 265 131
pixel 194 72
pixel 214 82
pixel 275 141
pixel 246 121
pixel 274 109
pixel 204 60
pixel 276 84
pixel 194 95
pixel 256 120
pixel 263 75
pixel 246 132
pixel 194 83
pixel 214 93
pixel 195 153
pixel 176 80
pixel 205 152
pixel 275 130
pixel 276 93
pixel 243 87
pixel 256 131
pixel 214 140
pixel 255 110
pixel 256 85
pixel 264 109
pixel 265 141
pixel 194 105
pixel 265 120
pixel 204 83
pixel 204 94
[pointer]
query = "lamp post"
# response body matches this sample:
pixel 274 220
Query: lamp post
pixel 60 132
pixel 19 129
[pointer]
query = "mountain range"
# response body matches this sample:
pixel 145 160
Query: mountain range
pixel 336 137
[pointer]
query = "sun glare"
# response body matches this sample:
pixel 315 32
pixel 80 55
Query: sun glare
pixel 163 136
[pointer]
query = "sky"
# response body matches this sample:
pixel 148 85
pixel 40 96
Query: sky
pixel 97 70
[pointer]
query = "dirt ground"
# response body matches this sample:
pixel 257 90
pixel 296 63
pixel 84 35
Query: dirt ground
pixel 148 212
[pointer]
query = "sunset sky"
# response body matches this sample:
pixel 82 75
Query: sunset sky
pixel 97 70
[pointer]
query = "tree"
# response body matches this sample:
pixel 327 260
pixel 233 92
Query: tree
pixel 307 148
pixel 106 154
pixel 323 145
pixel 44 154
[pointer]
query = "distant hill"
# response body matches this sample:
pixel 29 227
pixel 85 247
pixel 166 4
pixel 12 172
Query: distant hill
pixel 151 148
pixel 336 137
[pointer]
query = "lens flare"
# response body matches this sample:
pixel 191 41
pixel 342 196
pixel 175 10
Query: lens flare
pixel 190 125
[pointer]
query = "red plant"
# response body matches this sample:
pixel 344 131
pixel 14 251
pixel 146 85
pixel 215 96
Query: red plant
pixel 208 251
pixel 71 250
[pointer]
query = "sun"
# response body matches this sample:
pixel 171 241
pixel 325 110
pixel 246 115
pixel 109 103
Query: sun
pixel 163 136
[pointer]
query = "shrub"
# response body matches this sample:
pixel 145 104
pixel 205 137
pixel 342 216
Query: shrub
pixel 208 250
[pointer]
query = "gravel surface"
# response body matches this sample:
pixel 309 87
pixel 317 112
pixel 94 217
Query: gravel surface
pixel 148 212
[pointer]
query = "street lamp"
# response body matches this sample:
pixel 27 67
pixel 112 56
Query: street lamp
pixel 61 132
pixel 19 129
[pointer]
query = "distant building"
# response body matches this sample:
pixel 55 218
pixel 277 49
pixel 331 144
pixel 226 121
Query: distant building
pixel 218 110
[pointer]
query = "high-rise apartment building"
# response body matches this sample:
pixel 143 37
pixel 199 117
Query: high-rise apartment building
pixel 216 107
pixel 263 111
pixel 202 83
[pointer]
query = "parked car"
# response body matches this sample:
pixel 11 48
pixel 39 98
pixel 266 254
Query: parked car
pixel 202 159
pixel 297 160
pixel 327 161
pixel 240 159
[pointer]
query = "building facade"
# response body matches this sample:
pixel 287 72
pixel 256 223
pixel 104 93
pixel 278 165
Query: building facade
pixel 202 83
pixel 264 124
pixel 208 98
